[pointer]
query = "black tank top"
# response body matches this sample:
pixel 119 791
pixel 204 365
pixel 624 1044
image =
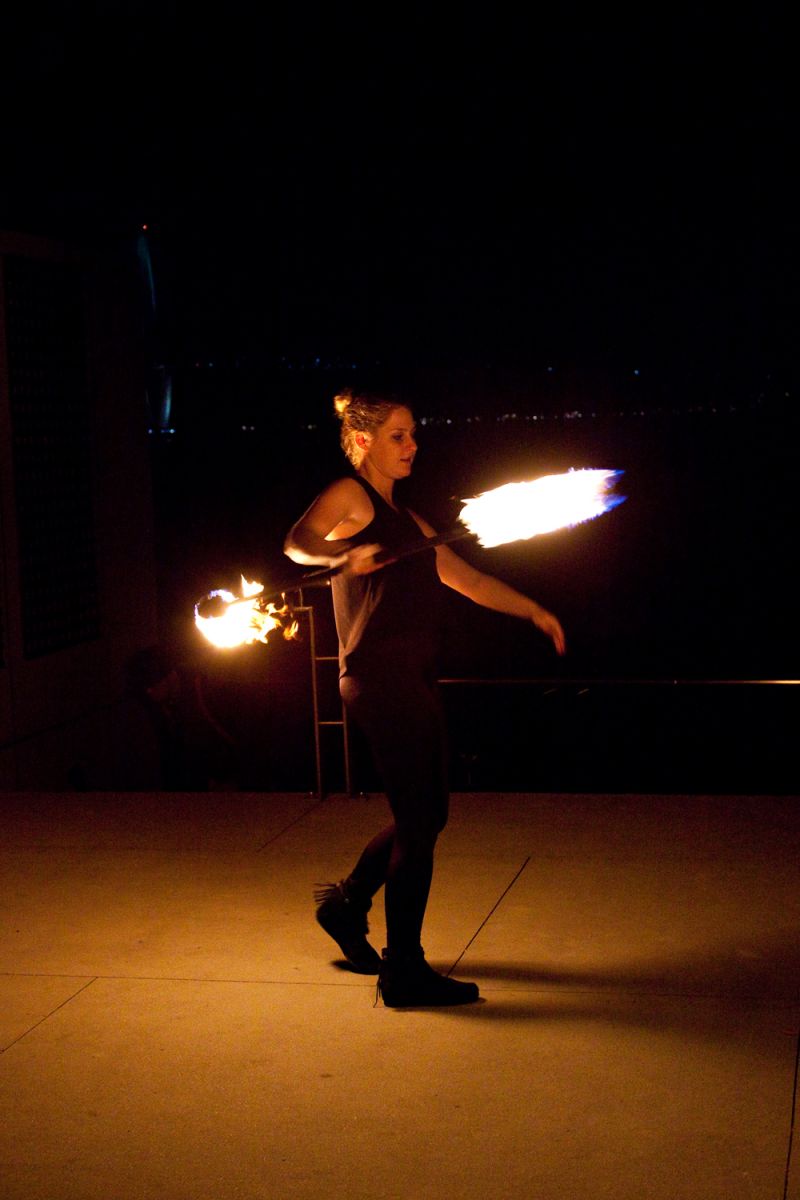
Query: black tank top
pixel 388 620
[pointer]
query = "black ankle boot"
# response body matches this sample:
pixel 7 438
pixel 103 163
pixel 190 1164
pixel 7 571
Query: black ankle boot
pixel 342 913
pixel 407 981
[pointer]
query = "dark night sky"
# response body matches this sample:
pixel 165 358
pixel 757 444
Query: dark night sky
pixel 429 186
pixel 444 187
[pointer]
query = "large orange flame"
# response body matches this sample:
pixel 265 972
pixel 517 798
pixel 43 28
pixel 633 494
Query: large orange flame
pixel 244 619
pixel 518 511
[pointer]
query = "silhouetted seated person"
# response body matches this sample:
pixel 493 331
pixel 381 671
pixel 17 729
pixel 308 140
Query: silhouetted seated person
pixel 196 752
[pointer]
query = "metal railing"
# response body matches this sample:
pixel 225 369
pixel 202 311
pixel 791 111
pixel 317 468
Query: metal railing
pixel 546 686
pixel 577 686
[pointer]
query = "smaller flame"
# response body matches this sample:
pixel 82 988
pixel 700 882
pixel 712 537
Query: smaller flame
pixel 517 511
pixel 244 618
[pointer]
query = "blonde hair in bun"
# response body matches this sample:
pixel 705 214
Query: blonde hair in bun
pixel 341 403
pixel 360 412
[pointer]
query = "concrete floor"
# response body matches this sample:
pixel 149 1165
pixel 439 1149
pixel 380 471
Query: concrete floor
pixel 173 1024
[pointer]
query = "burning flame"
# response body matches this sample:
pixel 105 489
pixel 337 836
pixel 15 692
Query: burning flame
pixel 516 511
pixel 243 619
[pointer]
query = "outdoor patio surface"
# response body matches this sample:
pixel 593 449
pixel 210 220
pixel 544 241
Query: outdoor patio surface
pixel 174 1024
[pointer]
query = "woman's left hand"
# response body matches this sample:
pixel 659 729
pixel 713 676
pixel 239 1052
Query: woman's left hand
pixel 550 627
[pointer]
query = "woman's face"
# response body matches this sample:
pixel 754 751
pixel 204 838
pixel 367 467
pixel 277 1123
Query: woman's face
pixel 391 448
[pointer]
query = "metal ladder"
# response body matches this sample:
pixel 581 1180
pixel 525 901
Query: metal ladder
pixel 341 722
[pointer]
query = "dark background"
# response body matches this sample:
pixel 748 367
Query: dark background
pixel 421 182
pixel 569 247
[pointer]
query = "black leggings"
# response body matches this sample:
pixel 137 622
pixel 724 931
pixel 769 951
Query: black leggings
pixel 403 722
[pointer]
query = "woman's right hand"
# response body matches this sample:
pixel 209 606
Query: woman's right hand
pixel 361 560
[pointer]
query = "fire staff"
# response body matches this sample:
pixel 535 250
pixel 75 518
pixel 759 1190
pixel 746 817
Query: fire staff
pixel 386 620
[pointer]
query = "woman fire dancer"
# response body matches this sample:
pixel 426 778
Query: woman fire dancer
pixel 386 617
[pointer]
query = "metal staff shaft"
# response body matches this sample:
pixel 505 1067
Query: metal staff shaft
pixel 384 557
pixel 322 575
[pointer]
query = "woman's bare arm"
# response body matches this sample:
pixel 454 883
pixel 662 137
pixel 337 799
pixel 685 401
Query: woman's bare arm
pixel 490 592
pixel 321 536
